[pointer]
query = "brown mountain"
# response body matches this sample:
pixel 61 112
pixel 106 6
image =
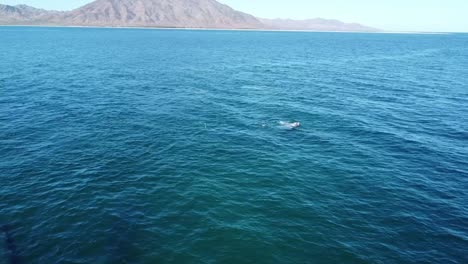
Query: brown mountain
pixel 162 13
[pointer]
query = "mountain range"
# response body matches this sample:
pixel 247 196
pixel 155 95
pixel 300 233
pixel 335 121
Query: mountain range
pixel 163 14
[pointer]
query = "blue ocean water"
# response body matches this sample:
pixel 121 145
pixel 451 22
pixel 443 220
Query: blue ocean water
pixel 164 146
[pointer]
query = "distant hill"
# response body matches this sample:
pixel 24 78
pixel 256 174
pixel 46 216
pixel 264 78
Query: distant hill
pixel 162 13
pixel 23 14
pixel 316 24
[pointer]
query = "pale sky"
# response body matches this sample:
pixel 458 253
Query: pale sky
pixel 398 15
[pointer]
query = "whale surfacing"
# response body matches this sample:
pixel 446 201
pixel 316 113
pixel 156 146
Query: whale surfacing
pixel 290 125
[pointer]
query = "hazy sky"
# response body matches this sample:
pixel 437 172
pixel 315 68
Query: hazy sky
pixel 404 15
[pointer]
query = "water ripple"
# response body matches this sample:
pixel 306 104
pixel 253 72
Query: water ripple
pixel 147 146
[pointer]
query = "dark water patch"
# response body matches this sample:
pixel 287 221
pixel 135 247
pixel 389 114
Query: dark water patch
pixel 11 248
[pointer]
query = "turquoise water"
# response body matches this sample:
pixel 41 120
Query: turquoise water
pixel 164 146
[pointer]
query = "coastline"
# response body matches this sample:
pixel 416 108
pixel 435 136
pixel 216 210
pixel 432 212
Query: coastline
pixel 238 29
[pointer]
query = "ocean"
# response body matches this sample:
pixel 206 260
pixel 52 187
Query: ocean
pixel 173 146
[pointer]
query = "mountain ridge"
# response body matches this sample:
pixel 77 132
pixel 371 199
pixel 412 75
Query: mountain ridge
pixel 163 14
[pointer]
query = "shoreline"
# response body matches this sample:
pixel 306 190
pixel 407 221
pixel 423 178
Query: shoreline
pixel 238 29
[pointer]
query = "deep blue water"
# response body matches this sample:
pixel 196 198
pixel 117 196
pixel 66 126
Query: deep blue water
pixel 164 146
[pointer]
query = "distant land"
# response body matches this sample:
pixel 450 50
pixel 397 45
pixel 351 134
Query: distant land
pixel 164 14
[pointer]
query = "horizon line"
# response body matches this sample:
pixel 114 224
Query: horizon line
pixel 243 29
